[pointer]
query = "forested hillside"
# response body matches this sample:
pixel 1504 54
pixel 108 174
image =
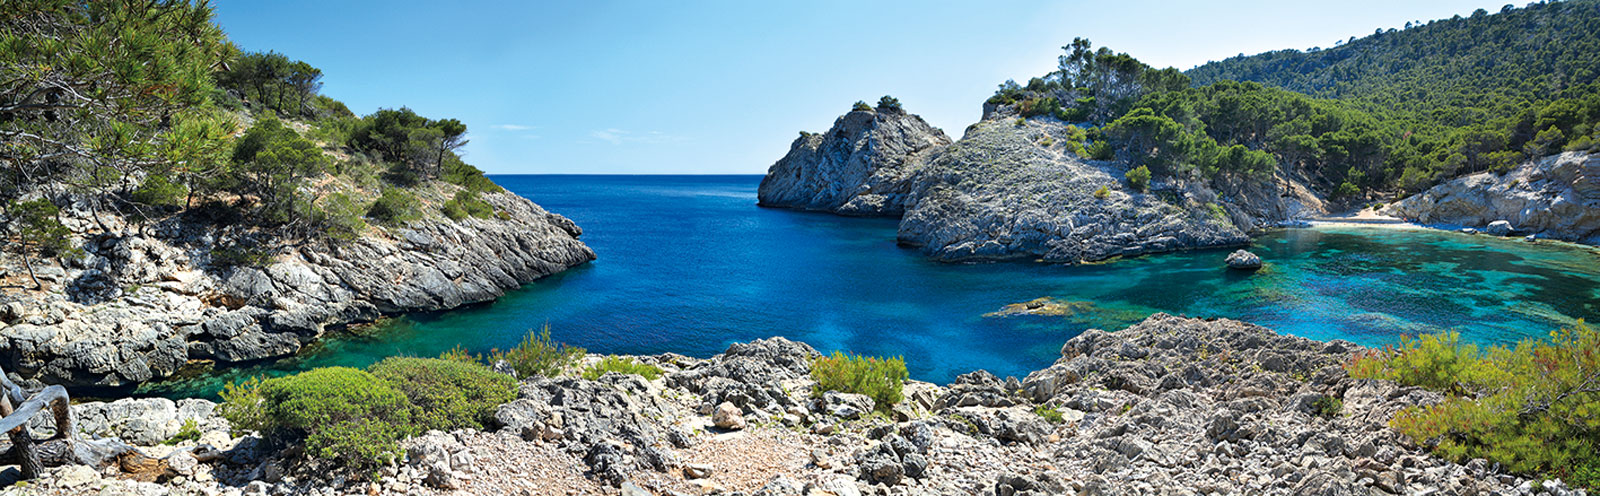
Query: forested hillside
pixel 1397 110
pixel 1457 95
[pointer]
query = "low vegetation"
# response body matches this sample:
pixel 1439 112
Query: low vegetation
pixel 447 394
pixel 537 354
pixel 621 365
pixel 1534 408
pixel 881 379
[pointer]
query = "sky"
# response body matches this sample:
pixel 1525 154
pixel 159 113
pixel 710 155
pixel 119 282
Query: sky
pixel 724 87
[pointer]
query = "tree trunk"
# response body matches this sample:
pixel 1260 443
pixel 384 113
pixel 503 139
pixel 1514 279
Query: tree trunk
pixel 27 261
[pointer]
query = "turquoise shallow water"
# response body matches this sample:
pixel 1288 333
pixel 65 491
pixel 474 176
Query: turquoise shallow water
pixel 689 264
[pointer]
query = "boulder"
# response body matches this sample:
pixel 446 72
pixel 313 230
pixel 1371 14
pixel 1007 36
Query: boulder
pixel 1499 228
pixel 728 417
pixel 1243 260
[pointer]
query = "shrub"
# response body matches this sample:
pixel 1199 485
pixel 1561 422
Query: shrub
pixel 457 172
pixel 467 204
pixel 889 102
pixel 621 365
pixel 446 394
pixel 1101 150
pixel 1049 414
pixel 879 378
pixel 1020 122
pixel 189 432
pixel 1047 141
pixel 1346 190
pixel 458 354
pixel 1327 406
pixel 1139 178
pixel 537 354
pixel 395 206
pixel 158 189
pixel 860 106
pixel 1102 193
pixel 340 218
pixel 343 414
pixel 1534 408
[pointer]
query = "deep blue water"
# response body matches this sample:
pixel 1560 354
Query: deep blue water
pixel 689 264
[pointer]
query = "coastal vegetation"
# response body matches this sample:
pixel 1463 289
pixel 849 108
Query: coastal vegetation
pixel 621 365
pixel 1535 407
pixel 881 379
pixel 1397 110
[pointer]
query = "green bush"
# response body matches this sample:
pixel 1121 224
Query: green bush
pixel 1020 122
pixel 343 414
pixel 446 394
pixel 1327 406
pixel 242 406
pixel 1102 193
pixel 1534 408
pixel 889 102
pixel 340 217
pixel 1139 178
pixel 457 172
pixel 1102 150
pixel 879 378
pixel 158 189
pixel 1049 414
pixel 1346 190
pixel 860 106
pixel 189 432
pixel 537 354
pixel 467 204
pixel 395 206
pixel 621 365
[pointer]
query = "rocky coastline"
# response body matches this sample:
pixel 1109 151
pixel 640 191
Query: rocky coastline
pixel 1556 197
pixel 1013 188
pixel 147 298
pixel 1172 405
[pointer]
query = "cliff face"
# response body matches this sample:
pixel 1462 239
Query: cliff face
pixel 146 299
pixel 861 166
pixel 1016 191
pixel 1556 197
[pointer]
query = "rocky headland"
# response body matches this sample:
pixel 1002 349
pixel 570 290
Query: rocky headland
pixel 146 298
pixel 1554 197
pixel 1172 405
pixel 1017 188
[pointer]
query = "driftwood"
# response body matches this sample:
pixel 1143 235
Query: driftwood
pixel 66 447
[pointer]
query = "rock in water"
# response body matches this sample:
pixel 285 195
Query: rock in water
pixel 861 166
pixel 1499 228
pixel 1243 260
pixel 728 417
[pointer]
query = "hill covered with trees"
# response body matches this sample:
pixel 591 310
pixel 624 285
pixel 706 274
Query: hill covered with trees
pixel 1397 110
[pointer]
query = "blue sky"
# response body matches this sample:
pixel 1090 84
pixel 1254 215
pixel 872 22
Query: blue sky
pixel 653 87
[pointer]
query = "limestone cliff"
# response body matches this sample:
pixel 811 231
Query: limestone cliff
pixel 147 298
pixel 1556 197
pixel 861 166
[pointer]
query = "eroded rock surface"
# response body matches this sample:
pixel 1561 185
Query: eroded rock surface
pixel 861 166
pixel 1553 197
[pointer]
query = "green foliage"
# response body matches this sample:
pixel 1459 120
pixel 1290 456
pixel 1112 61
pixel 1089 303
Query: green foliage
pixel 879 378
pixel 1102 193
pixel 889 103
pixel 1049 414
pixel 538 354
pixel 461 174
pixel 1346 190
pixel 271 162
pixel 342 413
pixel 157 189
pixel 1534 408
pixel 340 217
pixel 1139 178
pixel 190 431
pixel 458 354
pixel 446 394
pixel 35 225
pixel 272 81
pixel 395 206
pixel 413 142
pixel 860 106
pixel 1102 150
pixel 621 365
pixel 240 255
pixel 467 204
pixel 242 406
pixel 1327 407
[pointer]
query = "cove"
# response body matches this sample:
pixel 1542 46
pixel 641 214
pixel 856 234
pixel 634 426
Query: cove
pixel 689 264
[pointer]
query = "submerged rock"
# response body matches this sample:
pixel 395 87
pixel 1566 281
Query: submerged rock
pixel 1243 260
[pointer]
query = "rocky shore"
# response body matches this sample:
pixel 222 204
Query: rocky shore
pixel 1172 405
pixel 1553 197
pixel 145 299
pixel 1016 188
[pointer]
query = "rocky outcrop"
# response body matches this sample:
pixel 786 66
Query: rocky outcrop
pixel 1171 405
pixel 861 166
pixel 1554 197
pixel 146 299
pixel 1243 260
pixel 1016 188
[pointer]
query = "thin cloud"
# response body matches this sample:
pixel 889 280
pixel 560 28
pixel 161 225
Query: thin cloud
pixel 513 127
pixel 616 136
